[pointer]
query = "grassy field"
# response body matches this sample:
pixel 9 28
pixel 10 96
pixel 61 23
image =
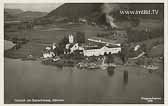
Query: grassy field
pixel 45 35
pixel 40 38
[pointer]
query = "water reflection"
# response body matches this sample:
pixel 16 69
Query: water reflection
pixel 60 67
pixel 150 71
pixel 79 86
pixel 125 77
pixel 110 71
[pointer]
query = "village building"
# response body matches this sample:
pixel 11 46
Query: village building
pixel 76 47
pixel 70 48
pixel 49 54
pixel 98 48
pixel 48 48
pixel 49 51
pixel 82 20
pixel 98 51
pixel 92 50
pixel 54 46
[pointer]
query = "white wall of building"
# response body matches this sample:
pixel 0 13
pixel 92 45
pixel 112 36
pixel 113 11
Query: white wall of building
pixel 102 51
pixel 48 55
pixel 76 47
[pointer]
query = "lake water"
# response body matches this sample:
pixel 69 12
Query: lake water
pixel 33 80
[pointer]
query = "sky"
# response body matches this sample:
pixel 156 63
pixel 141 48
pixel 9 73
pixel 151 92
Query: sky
pixel 43 7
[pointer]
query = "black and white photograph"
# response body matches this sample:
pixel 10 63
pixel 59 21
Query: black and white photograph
pixel 84 53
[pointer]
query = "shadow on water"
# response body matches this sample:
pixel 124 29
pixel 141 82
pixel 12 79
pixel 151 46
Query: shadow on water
pixel 60 67
pixel 125 77
pixel 150 71
pixel 110 71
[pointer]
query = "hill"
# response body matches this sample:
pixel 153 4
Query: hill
pixel 8 17
pixel 98 12
pixel 20 15
pixel 13 11
pixel 75 10
pixel 29 15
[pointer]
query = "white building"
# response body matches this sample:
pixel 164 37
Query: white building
pixel 76 47
pixel 48 55
pixel 72 48
pixel 54 46
pixel 136 47
pixel 82 20
pixel 101 51
pixel 94 50
pixel 48 48
pixel 48 52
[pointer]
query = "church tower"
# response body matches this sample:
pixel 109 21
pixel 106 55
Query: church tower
pixel 71 38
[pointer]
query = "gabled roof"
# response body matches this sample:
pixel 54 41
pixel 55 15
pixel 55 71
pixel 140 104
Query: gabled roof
pixel 100 46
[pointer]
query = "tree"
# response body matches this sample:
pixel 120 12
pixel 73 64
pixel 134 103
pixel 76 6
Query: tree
pixel 124 52
pixel 80 37
pixel 61 45
pixel 63 42
pixel 134 21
